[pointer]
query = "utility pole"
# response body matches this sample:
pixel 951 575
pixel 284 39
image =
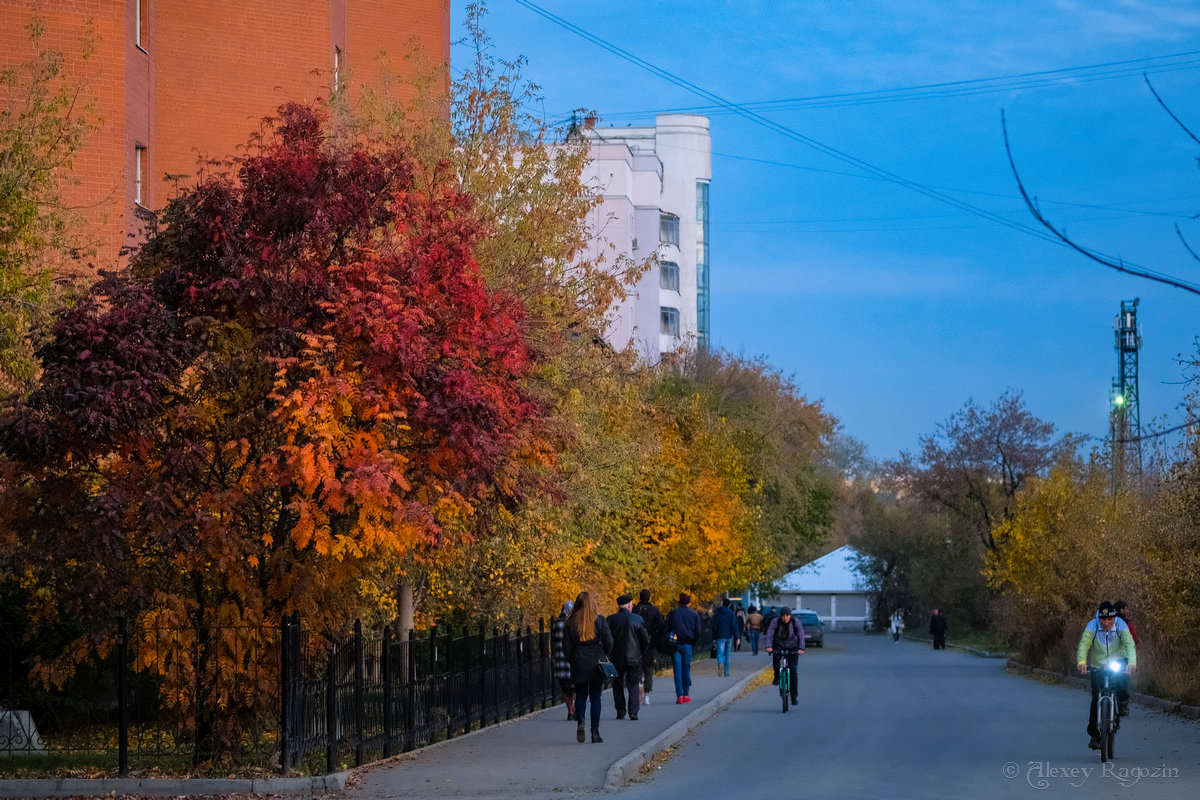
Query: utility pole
pixel 1125 419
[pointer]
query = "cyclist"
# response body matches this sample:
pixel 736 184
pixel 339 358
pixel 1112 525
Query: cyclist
pixel 1105 638
pixel 785 633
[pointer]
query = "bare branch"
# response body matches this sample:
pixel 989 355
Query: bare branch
pixel 1169 111
pixel 1186 246
pixel 1117 265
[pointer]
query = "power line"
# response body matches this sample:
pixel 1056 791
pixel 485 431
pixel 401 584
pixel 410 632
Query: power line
pixel 1156 434
pixel 1047 236
pixel 1028 80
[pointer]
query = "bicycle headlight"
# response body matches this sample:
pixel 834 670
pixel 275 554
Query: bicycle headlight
pixel 1114 666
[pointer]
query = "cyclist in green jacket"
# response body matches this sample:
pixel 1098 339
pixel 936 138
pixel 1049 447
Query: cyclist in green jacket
pixel 1105 638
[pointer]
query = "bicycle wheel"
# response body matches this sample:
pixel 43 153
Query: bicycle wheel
pixel 1105 724
pixel 785 688
pixel 784 697
pixel 1107 741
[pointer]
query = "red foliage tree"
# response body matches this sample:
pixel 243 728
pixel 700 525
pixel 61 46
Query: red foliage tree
pixel 301 383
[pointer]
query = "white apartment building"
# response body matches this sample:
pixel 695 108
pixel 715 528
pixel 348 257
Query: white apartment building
pixel 654 183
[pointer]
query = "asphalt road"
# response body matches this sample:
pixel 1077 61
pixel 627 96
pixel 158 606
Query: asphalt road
pixel 878 720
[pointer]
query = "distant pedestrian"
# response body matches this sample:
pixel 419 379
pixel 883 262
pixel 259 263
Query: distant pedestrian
pixel 630 640
pixel 896 626
pixel 741 618
pixel 754 628
pixel 561 664
pixel 725 633
pixel 937 629
pixel 683 626
pixel 656 628
pixel 769 617
pixel 586 641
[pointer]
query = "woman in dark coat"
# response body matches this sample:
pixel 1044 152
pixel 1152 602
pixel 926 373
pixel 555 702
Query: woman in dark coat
pixel 562 666
pixel 586 640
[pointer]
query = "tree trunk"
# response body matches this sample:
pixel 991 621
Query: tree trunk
pixel 404 617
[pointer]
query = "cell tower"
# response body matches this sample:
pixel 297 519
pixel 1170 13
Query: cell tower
pixel 1126 413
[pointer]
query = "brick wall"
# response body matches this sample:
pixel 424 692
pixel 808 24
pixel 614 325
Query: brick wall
pixel 94 185
pixel 210 71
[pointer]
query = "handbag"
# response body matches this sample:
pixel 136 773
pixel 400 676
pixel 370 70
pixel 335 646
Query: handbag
pixel 608 668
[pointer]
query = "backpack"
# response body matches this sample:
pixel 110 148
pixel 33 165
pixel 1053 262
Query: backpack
pixel 794 632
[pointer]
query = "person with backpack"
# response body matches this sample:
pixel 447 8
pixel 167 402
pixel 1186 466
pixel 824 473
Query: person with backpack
pixel 656 627
pixel 786 636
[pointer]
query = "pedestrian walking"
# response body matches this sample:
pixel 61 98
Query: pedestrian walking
pixel 656 629
pixel 896 626
pixel 630 640
pixel 741 618
pixel 937 629
pixel 754 628
pixel 683 626
pixel 725 633
pixel 561 665
pixel 587 641
pixel 769 617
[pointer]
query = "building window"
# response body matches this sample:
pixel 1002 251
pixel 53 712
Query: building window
pixel 143 12
pixel 668 276
pixel 668 321
pixel 139 172
pixel 668 229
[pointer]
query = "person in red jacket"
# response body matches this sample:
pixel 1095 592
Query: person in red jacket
pixel 1122 609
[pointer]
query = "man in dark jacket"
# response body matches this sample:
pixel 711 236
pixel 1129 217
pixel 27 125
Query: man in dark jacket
pixel 725 633
pixel 937 629
pixel 683 626
pixel 630 640
pixel 785 640
pixel 656 628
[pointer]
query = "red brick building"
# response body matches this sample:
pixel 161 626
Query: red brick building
pixel 171 81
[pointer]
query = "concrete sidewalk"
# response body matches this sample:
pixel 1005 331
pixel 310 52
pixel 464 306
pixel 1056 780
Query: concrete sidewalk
pixel 538 753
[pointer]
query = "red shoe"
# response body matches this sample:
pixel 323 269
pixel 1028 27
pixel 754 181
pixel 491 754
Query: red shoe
pixel 679 700
pixel 687 699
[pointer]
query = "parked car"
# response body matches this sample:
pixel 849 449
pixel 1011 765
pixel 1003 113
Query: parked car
pixel 814 631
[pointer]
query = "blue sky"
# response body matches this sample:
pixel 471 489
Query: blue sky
pixel 893 308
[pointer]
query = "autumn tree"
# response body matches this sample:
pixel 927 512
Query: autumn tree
pixel 301 386
pixel 43 123
pixel 977 462
pixel 533 208
pixel 1065 546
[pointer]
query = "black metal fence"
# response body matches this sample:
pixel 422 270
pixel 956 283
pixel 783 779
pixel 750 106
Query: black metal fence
pixel 368 697
pixel 272 699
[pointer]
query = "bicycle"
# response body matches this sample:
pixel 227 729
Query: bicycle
pixel 1108 721
pixel 785 677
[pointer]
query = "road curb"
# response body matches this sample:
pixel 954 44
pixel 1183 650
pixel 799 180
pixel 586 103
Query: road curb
pixel 625 769
pixel 1079 682
pixel 962 648
pixel 173 787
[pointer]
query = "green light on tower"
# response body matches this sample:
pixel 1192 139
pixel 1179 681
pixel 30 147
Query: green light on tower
pixel 1119 400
